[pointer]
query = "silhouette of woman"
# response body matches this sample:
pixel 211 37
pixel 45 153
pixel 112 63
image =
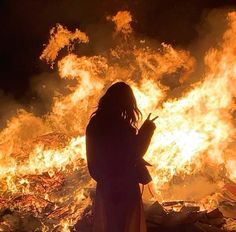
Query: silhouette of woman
pixel 115 149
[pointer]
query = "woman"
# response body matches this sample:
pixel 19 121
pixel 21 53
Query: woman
pixel 114 155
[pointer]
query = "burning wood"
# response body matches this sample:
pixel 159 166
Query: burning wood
pixel 164 217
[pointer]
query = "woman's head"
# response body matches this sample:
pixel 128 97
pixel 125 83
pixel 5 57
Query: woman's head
pixel 119 101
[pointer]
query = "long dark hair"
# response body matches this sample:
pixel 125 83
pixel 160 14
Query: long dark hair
pixel 119 100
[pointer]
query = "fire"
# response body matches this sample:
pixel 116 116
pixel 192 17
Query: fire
pixel 231 164
pixel 122 22
pixel 43 158
pixel 60 38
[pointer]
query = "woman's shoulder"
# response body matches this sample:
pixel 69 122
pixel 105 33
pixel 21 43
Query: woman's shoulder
pixel 92 125
pixel 97 125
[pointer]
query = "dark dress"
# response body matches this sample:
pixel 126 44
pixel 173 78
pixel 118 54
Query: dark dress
pixel 113 150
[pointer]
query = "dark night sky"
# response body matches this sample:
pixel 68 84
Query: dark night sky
pixel 25 26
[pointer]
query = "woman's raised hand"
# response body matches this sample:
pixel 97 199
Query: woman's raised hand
pixel 150 122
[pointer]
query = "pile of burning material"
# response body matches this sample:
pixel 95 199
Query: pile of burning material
pixel 215 212
pixel 189 218
pixel 170 216
pixel 46 201
pixel 186 216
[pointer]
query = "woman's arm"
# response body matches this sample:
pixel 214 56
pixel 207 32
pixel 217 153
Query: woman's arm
pixel 144 137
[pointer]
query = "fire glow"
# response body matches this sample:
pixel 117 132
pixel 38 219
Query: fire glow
pixel 43 158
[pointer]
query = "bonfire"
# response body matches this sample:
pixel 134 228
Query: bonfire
pixel 45 185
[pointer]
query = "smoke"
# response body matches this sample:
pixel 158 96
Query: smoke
pixel 210 30
pixel 8 107
pixel 45 87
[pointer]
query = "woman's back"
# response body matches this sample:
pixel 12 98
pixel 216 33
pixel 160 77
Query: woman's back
pixel 110 153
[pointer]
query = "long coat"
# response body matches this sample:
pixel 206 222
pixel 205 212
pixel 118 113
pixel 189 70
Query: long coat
pixel 113 150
